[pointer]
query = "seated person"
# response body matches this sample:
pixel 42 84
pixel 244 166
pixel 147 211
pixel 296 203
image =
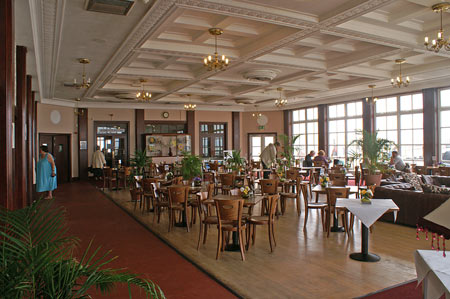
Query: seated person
pixel 397 161
pixel 322 158
pixel 309 159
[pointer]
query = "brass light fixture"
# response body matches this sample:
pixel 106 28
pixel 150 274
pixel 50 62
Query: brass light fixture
pixel 440 42
pixel 77 110
pixel 280 102
pixel 399 82
pixel 256 114
pixel 143 96
pixel 215 62
pixel 372 98
pixel 189 106
pixel 85 83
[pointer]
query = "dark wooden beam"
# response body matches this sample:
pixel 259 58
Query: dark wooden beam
pixel 140 128
pixel 430 126
pixel 6 101
pixel 34 139
pixel 287 122
pixel 83 159
pixel 322 116
pixel 368 116
pixel 236 131
pixel 29 131
pixel 20 167
pixel 190 118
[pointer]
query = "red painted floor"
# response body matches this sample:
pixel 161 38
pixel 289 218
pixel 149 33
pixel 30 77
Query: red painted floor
pixel 91 215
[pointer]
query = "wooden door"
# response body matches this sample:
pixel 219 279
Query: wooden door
pixel 59 148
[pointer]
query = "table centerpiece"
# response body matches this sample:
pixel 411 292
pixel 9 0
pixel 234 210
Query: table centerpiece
pixel 366 196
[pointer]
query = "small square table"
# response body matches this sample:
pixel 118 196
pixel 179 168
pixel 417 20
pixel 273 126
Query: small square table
pixel 368 214
pixel 434 270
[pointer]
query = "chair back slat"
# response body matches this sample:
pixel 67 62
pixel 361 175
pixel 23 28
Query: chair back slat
pixel 273 200
pixel 337 176
pixel 292 174
pixel 227 179
pixel 339 183
pixel 269 186
pixel 177 194
pixel 335 193
pixel 229 209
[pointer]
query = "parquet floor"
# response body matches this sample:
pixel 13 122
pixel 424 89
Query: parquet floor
pixel 305 264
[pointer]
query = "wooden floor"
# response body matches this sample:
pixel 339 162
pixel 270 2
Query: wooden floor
pixel 304 264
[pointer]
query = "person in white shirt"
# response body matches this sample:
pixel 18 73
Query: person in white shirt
pixel 98 161
pixel 269 156
pixel 397 161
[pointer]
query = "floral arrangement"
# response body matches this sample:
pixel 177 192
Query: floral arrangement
pixel 366 196
pixel 169 176
pixel 197 181
pixel 324 180
pixel 440 164
pixel 245 191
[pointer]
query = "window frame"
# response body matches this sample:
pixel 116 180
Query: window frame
pixel 212 136
pixel 307 146
pixel 439 136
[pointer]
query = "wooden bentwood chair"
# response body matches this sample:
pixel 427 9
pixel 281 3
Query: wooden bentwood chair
pixel 229 217
pixel 333 194
pixel 309 205
pixel 268 187
pixel 178 201
pixel 253 221
pixel 204 215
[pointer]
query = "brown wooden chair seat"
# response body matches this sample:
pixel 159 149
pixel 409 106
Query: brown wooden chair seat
pixel 205 219
pixel 195 204
pixel 283 197
pixel 268 220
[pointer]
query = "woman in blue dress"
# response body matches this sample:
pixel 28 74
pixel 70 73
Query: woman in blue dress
pixel 45 172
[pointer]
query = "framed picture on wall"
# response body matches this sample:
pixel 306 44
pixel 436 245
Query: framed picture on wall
pixel 167 145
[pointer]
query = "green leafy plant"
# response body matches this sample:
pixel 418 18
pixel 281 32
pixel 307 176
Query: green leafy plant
pixel 140 160
pixel 288 148
pixel 235 160
pixel 375 150
pixel 354 158
pixel 191 166
pixel 37 259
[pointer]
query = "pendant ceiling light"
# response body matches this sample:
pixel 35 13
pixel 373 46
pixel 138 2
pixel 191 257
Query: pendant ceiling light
pixel 215 62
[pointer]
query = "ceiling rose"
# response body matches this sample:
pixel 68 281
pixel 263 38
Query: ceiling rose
pixel 261 75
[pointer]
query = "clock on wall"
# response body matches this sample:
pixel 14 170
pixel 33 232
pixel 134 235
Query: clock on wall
pixel 165 114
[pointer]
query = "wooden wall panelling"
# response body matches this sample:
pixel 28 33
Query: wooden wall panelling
pixel 20 168
pixel 6 101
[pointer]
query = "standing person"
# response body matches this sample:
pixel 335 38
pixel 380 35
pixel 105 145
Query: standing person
pixel 269 156
pixel 397 161
pixel 322 158
pixel 46 172
pixel 98 162
pixel 309 159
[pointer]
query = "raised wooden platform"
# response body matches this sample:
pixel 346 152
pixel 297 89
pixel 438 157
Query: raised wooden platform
pixel 304 264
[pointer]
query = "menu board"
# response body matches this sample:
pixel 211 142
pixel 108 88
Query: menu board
pixel 166 145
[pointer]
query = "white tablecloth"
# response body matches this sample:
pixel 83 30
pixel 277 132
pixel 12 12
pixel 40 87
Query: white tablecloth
pixel 434 270
pixel 368 213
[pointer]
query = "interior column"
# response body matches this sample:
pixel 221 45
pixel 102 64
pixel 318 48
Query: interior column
pixel 430 126
pixel 140 128
pixel 236 124
pixel 6 102
pixel 20 168
pixel 29 131
pixel 83 144
pixel 368 116
pixel 190 118
pixel 323 127
pixel 287 123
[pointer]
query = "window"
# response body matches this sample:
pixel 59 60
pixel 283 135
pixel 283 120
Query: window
pixel 212 139
pixel 344 125
pixel 257 143
pixel 444 125
pixel 400 119
pixel 305 124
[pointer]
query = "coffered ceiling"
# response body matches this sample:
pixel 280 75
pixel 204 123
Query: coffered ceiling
pixel 317 51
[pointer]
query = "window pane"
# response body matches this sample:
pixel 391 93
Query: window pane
pixel 445 98
pixel 340 110
pixel 268 140
pixel 406 121
pixel 418 120
pixel 445 118
pixel 332 111
pixel 405 103
pixel 417 101
pixel 256 141
pixel 391 104
pixel 380 106
pixel 310 114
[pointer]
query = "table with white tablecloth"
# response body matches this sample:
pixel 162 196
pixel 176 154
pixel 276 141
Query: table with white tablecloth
pixel 368 214
pixel 433 270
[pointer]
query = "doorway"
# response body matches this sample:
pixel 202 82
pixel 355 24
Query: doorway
pixel 257 143
pixel 112 138
pixel 59 146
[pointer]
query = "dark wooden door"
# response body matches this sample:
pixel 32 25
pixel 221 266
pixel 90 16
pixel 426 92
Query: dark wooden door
pixel 59 148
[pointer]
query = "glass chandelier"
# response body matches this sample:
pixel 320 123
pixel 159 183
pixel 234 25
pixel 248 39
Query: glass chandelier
pixel 143 96
pixel 440 42
pixel 399 82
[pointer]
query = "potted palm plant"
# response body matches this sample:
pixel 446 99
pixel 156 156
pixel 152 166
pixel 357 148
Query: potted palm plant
pixel 140 160
pixel 375 155
pixel 37 258
pixel 288 148
pixel 191 166
pixel 235 160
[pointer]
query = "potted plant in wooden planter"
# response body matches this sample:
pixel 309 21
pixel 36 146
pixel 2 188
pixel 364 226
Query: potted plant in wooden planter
pixel 375 155
pixel 139 161
pixel 191 166
pixel 235 161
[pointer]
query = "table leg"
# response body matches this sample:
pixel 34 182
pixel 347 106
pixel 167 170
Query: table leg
pixel 183 222
pixel 235 245
pixel 336 228
pixel 364 255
